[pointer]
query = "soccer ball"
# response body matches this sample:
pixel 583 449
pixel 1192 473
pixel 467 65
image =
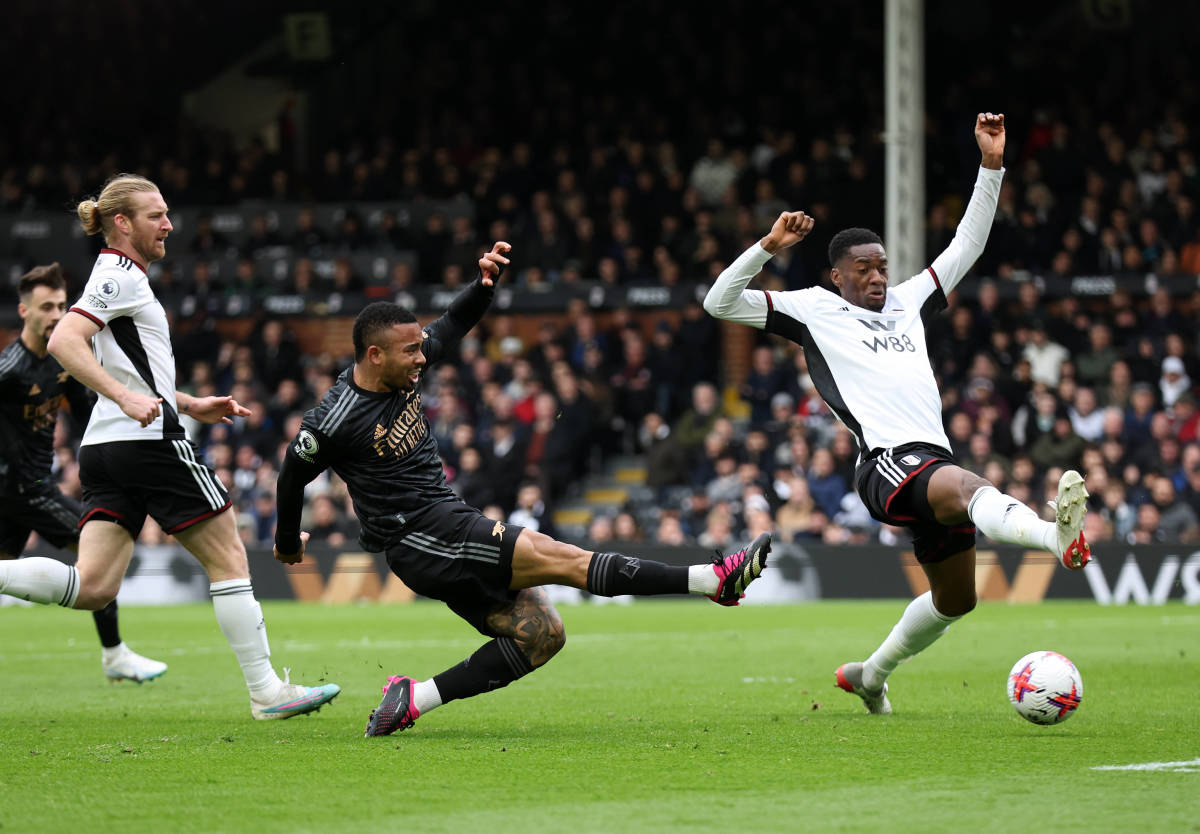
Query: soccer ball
pixel 1045 687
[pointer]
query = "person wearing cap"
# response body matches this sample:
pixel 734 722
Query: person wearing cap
pixel 1174 380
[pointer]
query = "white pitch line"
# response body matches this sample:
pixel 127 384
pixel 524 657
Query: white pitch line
pixel 1175 767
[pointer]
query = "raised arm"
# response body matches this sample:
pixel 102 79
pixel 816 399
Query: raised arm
pixel 969 239
pixel 468 307
pixel 728 297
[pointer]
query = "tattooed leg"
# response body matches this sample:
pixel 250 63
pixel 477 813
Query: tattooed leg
pixel 532 633
pixel 533 624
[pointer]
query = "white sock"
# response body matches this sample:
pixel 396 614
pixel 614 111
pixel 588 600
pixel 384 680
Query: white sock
pixel 241 620
pixel 426 696
pixel 702 579
pixel 919 626
pixel 1003 518
pixel 39 579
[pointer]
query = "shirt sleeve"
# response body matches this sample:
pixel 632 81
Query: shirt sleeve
pixel 111 293
pixel 307 457
pixel 464 312
pixel 969 239
pixel 728 297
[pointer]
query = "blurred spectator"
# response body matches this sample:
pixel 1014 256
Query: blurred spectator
pixel 1177 521
pixel 825 484
pixel 1174 381
pixel 1045 356
pixel 326 524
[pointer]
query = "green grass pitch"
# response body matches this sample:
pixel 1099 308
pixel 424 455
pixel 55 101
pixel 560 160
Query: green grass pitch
pixel 659 716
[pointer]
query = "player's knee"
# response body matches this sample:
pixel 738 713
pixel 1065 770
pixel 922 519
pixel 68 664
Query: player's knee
pixel 970 484
pixel 95 595
pixel 553 640
pixel 542 643
pixel 956 604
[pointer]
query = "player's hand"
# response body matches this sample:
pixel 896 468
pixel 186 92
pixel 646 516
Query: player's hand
pixel 216 409
pixel 142 408
pixel 493 263
pixel 989 134
pixel 292 558
pixel 790 228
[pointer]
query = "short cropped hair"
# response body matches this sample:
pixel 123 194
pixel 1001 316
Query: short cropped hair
pixel 846 238
pixel 375 319
pixel 41 276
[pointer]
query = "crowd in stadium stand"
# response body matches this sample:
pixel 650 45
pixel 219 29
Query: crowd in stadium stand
pixel 624 195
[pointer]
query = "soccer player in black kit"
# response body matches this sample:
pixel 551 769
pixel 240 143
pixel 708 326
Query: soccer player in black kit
pixel 371 430
pixel 33 387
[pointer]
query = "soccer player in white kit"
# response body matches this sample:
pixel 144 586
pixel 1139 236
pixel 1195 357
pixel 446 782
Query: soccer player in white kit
pixel 866 355
pixel 135 458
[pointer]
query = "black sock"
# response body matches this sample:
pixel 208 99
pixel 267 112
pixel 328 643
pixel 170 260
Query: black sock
pixel 494 665
pixel 106 625
pixel 611 574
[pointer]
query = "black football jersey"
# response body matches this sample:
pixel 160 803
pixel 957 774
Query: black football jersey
pixel 32 390
pixel 380 444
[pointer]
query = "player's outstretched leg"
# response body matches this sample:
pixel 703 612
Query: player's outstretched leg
pixel 1069 509
pixel 724 580
pixel 1005 519
pixel 736 571
pixel 397 710
pixel 532 634
pixel 850 678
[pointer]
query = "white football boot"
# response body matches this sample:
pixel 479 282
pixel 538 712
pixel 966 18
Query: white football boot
pixel 128 665
pixel 1069 510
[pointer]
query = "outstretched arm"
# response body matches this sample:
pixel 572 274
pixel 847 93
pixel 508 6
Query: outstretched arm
pixel 969 239
pixel 468 307
pixel 728 297
pixel 210 409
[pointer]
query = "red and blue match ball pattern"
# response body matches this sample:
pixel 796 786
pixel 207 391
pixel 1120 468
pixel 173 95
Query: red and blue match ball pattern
pixel 1045 687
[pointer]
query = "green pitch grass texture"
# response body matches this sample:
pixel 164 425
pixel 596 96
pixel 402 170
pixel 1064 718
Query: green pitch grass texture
pixel 658 716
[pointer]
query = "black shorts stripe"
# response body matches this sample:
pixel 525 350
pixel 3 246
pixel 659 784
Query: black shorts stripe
pixel 447 551
pixel 204 478
pixel 440 553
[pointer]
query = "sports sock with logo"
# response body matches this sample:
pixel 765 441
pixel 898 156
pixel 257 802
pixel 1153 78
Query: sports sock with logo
pixel 240 617
pixel 919 626
pixel 1003 518
pixel 106 625
pixel 39 579
pixel 495 664
pixel 612 574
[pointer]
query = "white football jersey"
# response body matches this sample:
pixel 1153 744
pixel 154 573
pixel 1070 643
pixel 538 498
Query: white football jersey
pixel 133 346
pixel 871 368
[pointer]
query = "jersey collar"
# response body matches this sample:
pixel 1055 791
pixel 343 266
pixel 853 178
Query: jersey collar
pixel 109 251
